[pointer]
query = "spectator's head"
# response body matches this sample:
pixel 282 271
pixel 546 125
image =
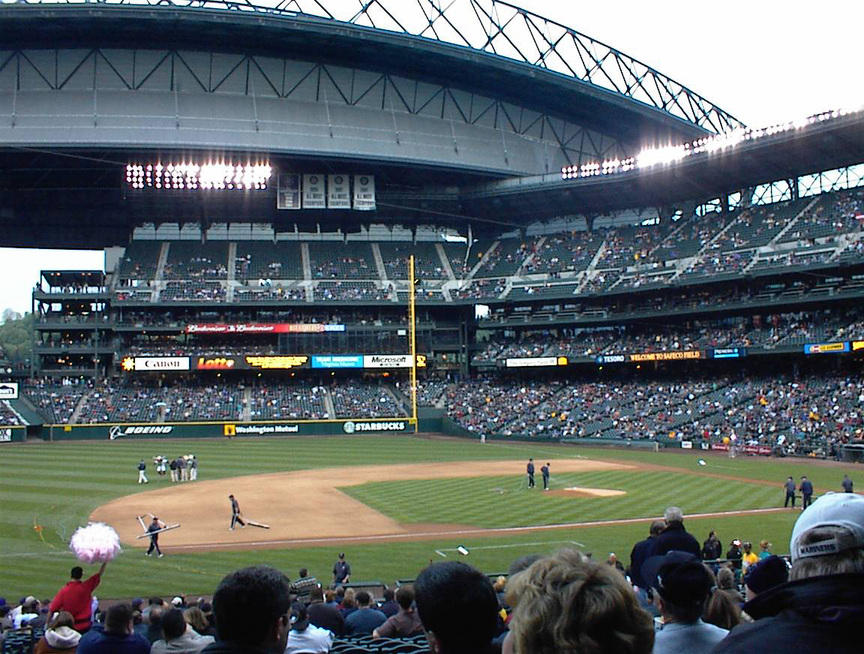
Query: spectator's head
pixel 118 619
pixel 363 599
pixel 173 624
pixel 62 619
pixel 316 595
pixel 748 547
pixel 405 597
pixel 299 617
pixel 155 616
pixel 349 599
pixel 722 611
pixel 673 514
pixel 726 579
pixel 330 596
pixel 765 545
pixel 681 585
pixel 77 572
pixel 828 537
pixel 304 572
pixel 569 603
pixel 389 595
pixel 457 606
pixel 522 563
pixel 251 607
pixel 765 575
pixel 195 617
pixel 155 601
pixel 657 527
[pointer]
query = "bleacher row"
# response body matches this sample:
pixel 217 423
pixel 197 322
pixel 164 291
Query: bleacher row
pixel 825 230
pixel 810 413
pixel 194 400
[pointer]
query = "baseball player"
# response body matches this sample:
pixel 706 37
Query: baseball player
pixel 235 513
pixel 142 472
pixel 153 530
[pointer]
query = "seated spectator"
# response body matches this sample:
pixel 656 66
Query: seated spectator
pixel 404 624
pixel 154 629
pixel 60 636
pixel 349 603
pixel 365 619
pixel 116 636
pixel 726 583
pixel 722 609
pixel 28 615
pixel 682 586
pixel 458 608
pixel 388 606
pixel 569 603
pixel 765 575
pixel 251 607
pixel 325 614
pixel 820 608
pixel 179 636
pixel 304 636
pixel 195 618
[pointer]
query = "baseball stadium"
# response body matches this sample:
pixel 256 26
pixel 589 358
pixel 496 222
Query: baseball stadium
pixel 412 282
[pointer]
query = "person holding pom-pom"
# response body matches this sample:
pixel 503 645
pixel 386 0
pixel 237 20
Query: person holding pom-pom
pixel 75 597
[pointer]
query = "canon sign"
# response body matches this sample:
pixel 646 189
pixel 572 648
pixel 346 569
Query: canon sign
pixel 161 363
pixel 145 430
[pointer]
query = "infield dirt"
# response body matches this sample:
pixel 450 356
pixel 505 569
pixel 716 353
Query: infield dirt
pixel 305 504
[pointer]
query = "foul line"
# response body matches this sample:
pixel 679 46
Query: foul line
pixel 459 532
pixel 504 547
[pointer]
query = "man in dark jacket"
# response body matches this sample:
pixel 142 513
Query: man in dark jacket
pixel 675 537
pixel 712 549
pixel 806 489
pixel 821 608
pixel 326 616
pixel 641 551
pixel 251 607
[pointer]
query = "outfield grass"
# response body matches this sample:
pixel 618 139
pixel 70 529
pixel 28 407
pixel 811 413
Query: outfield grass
pixel 56 485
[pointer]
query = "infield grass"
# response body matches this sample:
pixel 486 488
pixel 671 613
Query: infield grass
pixel 55 486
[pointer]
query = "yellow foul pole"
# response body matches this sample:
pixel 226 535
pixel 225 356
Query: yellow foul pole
pixel 412 320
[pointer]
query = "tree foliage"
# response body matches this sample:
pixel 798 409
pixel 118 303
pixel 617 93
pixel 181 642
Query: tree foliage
pixel 15 335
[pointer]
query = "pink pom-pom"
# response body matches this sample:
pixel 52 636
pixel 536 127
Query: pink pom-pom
pixel 95 543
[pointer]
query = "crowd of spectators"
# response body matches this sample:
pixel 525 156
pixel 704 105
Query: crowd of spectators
pixel 630 257
pixel 674 595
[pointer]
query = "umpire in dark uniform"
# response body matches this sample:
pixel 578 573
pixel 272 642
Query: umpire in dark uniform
pixel 530 470
pixel 790 492
pixel 806 489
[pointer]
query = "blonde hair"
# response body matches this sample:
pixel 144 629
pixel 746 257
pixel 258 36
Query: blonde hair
pixel 196 619
pixel 569 603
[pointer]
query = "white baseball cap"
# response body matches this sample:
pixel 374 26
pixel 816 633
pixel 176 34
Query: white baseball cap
pixel 831 510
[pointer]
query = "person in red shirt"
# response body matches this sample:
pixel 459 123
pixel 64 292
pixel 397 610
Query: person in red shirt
pixel 76 597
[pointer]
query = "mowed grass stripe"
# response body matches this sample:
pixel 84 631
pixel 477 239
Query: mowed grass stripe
pixel 78 476
pixel 498 502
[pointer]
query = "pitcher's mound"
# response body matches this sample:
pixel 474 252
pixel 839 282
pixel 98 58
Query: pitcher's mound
pixel 578 491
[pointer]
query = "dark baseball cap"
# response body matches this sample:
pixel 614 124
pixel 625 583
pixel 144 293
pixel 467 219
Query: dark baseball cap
pixel 679 577
pixel 766 574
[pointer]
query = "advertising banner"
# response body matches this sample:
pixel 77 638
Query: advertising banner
pixel 337 361
pixel 727 352
pixel 387 361
pixel 155 364
pixel 665 356
pixel 826 348
pixel 535 362
pixel 262 328
pixel 9 391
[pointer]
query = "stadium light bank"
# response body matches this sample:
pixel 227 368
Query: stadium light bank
pixel 674 153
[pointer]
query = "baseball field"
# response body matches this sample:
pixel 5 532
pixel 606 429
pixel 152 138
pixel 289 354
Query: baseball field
pixel 392 503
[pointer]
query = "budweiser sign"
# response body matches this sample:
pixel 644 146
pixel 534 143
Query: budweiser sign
pixel 262 328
